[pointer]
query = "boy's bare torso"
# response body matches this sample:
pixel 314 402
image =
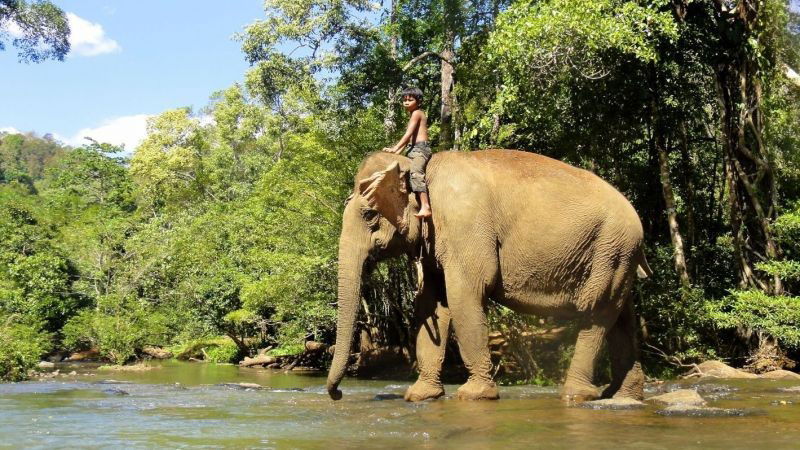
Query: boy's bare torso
pixel 420 123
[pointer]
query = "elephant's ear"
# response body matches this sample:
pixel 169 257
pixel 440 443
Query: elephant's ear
pixel 386 192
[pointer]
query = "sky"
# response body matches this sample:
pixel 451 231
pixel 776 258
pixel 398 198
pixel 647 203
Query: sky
pixel 129 60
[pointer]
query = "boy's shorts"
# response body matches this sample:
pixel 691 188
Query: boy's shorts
pixel 419 153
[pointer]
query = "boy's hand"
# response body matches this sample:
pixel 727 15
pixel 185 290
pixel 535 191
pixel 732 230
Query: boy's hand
pixel 389 150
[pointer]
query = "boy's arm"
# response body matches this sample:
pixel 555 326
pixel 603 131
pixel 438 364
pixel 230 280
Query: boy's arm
pixel 413 124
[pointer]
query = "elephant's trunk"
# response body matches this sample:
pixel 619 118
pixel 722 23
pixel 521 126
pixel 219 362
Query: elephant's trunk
pixel 353 251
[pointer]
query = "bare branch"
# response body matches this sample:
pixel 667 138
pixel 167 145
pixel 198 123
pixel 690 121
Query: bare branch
pixel 422 56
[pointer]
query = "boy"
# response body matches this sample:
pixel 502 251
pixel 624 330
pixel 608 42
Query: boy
pixel 420 151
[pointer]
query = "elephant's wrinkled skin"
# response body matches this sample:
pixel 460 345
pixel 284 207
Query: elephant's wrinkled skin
pixel 532 233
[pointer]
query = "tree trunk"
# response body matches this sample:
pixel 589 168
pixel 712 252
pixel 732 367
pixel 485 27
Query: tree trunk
pixel 752 185
pixel 672 215
pixel 389 120
pixel 679 255
pixel 446 140
pixel 688 163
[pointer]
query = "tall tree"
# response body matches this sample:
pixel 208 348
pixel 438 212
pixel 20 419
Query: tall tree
pixel 38 29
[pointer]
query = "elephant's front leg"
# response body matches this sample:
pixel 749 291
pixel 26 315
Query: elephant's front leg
pixel 465 296
pixel 433 320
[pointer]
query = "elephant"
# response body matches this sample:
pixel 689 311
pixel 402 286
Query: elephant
pixel 532 233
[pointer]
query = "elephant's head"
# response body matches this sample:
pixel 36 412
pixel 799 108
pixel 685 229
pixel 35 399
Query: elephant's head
pixel 378 222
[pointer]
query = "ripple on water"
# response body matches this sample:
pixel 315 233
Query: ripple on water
pixel 193 414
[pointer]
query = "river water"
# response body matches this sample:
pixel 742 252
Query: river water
pixel 180 405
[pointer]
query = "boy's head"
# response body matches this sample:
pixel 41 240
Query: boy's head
pixel 412 93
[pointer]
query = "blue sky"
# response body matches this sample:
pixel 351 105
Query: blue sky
pixel 129 59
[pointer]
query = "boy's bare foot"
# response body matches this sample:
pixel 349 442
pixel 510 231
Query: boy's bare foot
pixel 424 207
pixel 425 211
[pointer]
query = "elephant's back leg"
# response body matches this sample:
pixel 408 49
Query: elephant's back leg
pixel 599 300
pixel 627 378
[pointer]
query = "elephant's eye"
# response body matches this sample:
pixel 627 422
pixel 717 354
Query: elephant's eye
pixel 370 215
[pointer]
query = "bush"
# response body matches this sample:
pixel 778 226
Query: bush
pixel 219 349
pixel 118 329
pixel 778 316
pixel 21 347
pixel 224 351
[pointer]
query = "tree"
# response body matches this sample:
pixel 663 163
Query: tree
pixel 38 29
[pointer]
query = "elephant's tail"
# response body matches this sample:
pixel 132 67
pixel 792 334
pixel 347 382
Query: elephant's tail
pixel 643 269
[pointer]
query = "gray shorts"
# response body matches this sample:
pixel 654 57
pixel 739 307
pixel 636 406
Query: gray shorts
pixel 419 153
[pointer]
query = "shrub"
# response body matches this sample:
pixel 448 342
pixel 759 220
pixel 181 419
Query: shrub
pixel 778 316
pixel 223 351
pixel 21 347
pixel 118 328
pixel 219 349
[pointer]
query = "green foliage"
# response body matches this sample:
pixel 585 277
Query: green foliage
pixel 230 226
pixel 287 350
pixel 218 349
pixel 90 176
pixel 35 278
pixel 778 315
pixel 118 328
pixel 227 352
pixel 21 347
pixel 43 26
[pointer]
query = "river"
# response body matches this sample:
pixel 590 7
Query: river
pixel 180 405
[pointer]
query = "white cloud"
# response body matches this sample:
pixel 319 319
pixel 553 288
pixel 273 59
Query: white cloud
pixel 127 130
pixel 9 130
pixel 88 38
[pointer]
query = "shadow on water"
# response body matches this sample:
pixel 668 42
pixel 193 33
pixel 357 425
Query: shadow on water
pixel 199 405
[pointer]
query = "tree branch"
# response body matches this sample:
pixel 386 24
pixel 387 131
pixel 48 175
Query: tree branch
pixel 791 75
pixel 422 56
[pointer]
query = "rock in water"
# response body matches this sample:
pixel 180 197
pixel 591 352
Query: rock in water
pixel 613 404
pixel 241 386
pixel 780 375
pixel 157 352
pixel 718 369
pixel 46 365
pixel 698 411
pixel 115 391
pixel 380 397
pixel 683 397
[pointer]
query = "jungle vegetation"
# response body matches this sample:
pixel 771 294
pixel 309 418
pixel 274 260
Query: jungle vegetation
pixel 222 226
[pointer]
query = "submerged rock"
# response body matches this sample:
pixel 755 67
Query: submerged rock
pixel 381 397
pixel 241 386
pixel 115 391
pixel 791 389
pixel 780 375
pixel 699 411
pixel 46 365
pixel 613 404
pixel 685 397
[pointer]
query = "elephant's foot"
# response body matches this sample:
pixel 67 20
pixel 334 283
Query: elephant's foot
pixel 478 390
pixel 632 386
pixel 423 390
pixel 578 394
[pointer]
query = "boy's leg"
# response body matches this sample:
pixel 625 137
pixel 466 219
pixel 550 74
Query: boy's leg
pixel 418 162
pixel 425 205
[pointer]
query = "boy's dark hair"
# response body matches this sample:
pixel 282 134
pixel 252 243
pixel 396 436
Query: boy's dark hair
pixel 413 92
